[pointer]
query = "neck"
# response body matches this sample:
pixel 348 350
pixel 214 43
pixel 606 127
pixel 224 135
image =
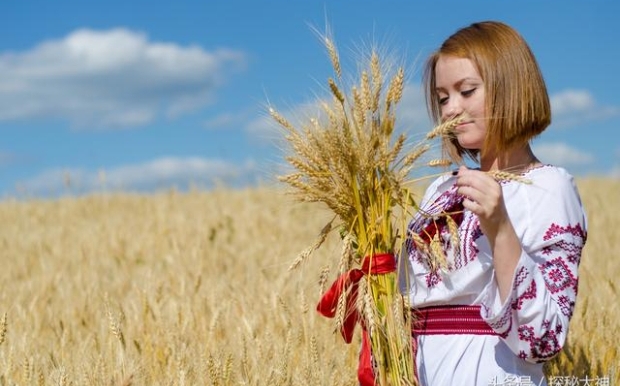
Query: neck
pixel 514 161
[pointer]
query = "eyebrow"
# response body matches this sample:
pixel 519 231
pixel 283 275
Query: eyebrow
pixel 460 82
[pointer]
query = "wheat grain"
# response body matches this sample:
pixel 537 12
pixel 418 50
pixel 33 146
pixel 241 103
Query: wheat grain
pixel 502 175
pixel 214 371
pixel 453 228
pixel 366 92
pixel 227 372
pixel 444 129
pixel 369 313
pixel 359 114
pixel 303 303
pixel 439 162
pixel 437 253
pixel 395 90
pixel 346 256
pixel 3 328
pixel 336 91
pixel 62 378
pixel 28 370
pixel 314 357
pixel 308 251
pixel 377 80
pixel 116 329
pixel 281 120
pixel 419 242
pixel 41 378
pixel 333 55
pixel 324 275
pixel 341 309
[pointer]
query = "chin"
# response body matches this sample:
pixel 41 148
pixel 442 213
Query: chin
pixel 470 145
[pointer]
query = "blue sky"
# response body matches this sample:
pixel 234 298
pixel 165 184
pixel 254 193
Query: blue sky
pixel 143 95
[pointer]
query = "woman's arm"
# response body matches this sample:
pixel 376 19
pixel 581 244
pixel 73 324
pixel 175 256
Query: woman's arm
pixel 483 197
pixel 530 304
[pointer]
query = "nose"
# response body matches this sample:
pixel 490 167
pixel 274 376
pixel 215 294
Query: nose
pixel 451 109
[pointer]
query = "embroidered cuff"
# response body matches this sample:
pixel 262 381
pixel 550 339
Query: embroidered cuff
pixel 497 314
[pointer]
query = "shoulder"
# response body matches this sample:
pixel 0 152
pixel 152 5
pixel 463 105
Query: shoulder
pixel 550 175
pixel 548 182
pixel 548 200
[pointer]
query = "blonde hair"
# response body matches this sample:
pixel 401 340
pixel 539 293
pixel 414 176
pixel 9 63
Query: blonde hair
pixel 516 99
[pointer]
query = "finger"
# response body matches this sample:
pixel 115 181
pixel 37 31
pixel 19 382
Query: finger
pixel 470 177
pixel 472 206
pixel 479 182
pixel 471 193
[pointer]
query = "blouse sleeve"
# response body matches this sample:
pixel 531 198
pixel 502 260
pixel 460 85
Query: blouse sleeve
pixel 533 320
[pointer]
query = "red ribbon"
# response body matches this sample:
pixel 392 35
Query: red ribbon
pixel 374 265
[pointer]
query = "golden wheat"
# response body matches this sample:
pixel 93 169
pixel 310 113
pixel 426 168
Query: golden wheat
pixel 219 260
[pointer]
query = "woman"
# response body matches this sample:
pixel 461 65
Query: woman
pixel 500 306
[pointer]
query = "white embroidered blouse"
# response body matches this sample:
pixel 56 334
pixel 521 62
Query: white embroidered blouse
pixel 532 324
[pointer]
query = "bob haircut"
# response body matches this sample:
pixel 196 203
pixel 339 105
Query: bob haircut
pixel 516 98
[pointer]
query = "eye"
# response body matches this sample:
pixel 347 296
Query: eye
pixel 443 100
pixel 469 92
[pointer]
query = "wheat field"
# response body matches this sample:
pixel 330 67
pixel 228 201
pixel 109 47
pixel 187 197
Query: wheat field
pixel 194 289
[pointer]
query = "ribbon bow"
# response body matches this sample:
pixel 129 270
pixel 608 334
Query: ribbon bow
pixel 348 281
pixel 372 265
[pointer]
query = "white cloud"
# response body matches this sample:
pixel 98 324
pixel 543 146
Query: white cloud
pixel 573 107
pixel 569 101
pixel 561 154
pixel 113 78
pixel 155 174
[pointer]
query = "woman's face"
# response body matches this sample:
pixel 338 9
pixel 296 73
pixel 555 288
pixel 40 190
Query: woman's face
pixel 461 93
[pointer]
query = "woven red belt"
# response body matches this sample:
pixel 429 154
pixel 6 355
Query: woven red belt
pixel 453 319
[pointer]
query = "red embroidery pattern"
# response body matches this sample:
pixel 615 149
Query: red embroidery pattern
pixel 567 305
pixel 555 230
pixel 530 293
pixel 560 279
pixel 503 325
pixel 572 247
pixel 432 279
pixel 543 347
pixel 520 277
pixel 470 234
pixel 558 276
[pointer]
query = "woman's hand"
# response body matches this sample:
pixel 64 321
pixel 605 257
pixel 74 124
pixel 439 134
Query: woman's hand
pixel 484 197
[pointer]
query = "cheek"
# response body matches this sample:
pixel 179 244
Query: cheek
pixel 480 107
pixel 444 112
pixel 481 114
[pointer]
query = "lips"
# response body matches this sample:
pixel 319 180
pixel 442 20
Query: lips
pixel 462 125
